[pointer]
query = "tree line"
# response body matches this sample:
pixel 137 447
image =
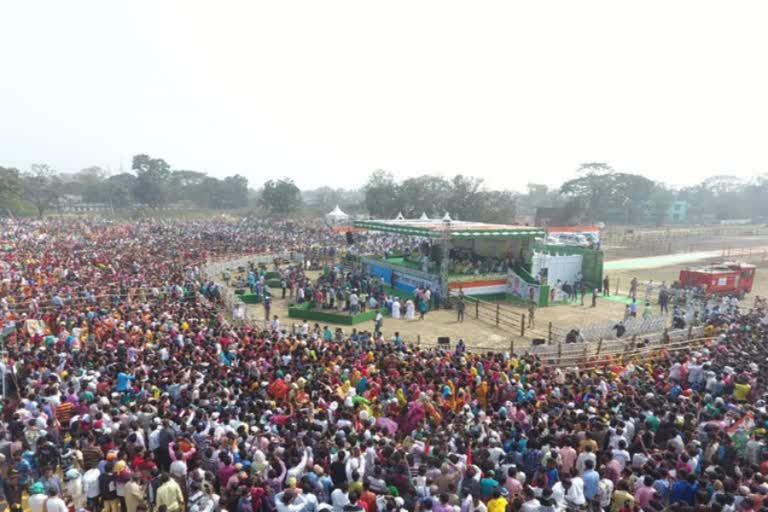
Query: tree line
pixel 597 193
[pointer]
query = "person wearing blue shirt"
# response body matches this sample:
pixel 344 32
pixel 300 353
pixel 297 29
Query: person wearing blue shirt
pixel 661 485
pixel 591 480
pixel 684 489
pixel 124 381
pixel 553 476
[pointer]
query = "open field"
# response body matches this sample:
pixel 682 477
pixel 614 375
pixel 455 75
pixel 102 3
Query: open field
pixel 670 274
pixel 480 334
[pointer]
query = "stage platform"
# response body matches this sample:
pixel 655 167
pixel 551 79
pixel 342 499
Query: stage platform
pixel 329 316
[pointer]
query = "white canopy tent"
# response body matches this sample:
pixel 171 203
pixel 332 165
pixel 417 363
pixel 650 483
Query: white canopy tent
pixel 337 216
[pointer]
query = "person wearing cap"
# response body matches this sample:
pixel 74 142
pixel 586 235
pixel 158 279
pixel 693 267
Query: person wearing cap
pixel 37 497
pixel 497 503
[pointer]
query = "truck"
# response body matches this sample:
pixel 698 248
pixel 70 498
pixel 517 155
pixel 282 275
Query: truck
pixel 726 278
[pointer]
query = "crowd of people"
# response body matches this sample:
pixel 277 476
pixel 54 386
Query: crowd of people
pixel 126 389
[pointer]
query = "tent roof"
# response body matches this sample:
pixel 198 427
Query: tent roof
pixel 458 229
pixel 337 213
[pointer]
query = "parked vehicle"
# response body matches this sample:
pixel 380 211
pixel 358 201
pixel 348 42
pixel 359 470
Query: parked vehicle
pixel 727 278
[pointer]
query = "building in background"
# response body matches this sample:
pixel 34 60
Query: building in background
pixel 677 213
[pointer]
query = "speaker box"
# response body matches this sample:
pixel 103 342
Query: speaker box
pixel 539 341
pixel 350 240
pixel 443 340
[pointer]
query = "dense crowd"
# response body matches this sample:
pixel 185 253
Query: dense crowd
pixel 127 390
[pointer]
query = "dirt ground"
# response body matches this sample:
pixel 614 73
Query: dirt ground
pixel 482 335
pixel 475 333
pixel 671 273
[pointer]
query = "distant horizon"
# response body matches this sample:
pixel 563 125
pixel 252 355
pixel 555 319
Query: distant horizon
pixel 257 185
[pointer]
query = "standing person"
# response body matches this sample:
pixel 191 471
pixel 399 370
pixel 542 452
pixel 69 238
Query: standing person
pixel 606 286
pixel 37 497
pixel 396 309
pixel 531 314
pixel 583 291
pixel 594 297
pixel 169 494
pixel 134 493
pixel 267 305
pixel 410 310
pixel 54 503
pixel 460 307
pixel 422 308
pixel 664 301
pixel 284 286
pixel 633 288
pixel 378 322
pixel 633 309
pixel 108 489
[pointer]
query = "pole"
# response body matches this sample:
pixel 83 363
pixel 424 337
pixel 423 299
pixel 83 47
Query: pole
pixel 549 336
pixel 522 325
pixel 446 257
pixel 498 307
pixel 477 309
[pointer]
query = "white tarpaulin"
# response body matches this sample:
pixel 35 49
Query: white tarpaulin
pixel 559 268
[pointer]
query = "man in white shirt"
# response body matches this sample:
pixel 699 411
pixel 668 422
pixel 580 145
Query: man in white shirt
pixel 54 502
pixel 584 457
pixel 339 500
pixel 37 497
pixel 531 504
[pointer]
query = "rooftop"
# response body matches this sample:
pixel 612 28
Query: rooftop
pixel 459 229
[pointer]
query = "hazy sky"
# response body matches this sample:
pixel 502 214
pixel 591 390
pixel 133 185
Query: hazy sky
pixel 327 91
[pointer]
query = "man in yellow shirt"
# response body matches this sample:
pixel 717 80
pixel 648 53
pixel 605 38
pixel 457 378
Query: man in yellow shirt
pixel 741 391
pixel 169 494
pixel 497 503
pixel 621 497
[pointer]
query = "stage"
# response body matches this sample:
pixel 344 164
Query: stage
pixel 491 261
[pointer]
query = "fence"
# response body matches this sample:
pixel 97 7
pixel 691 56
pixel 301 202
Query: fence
pixel 600 352
pixel 495 314
pixel 633 326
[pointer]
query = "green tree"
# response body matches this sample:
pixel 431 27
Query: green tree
pixel 42 187
pixel 466 197
pixel 381 194
pixel 118 190
pixel 591 189
pixel 429 194
pixel 658 204
pixel 610 196
pixel 281 196
pixel 235 191
pixel 186 185
pixel 498 207
pixel 153 176
pixel 11 188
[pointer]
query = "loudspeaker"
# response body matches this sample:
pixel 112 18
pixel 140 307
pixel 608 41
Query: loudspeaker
pixel 539 341
pixel 443 340
pixel 350 240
